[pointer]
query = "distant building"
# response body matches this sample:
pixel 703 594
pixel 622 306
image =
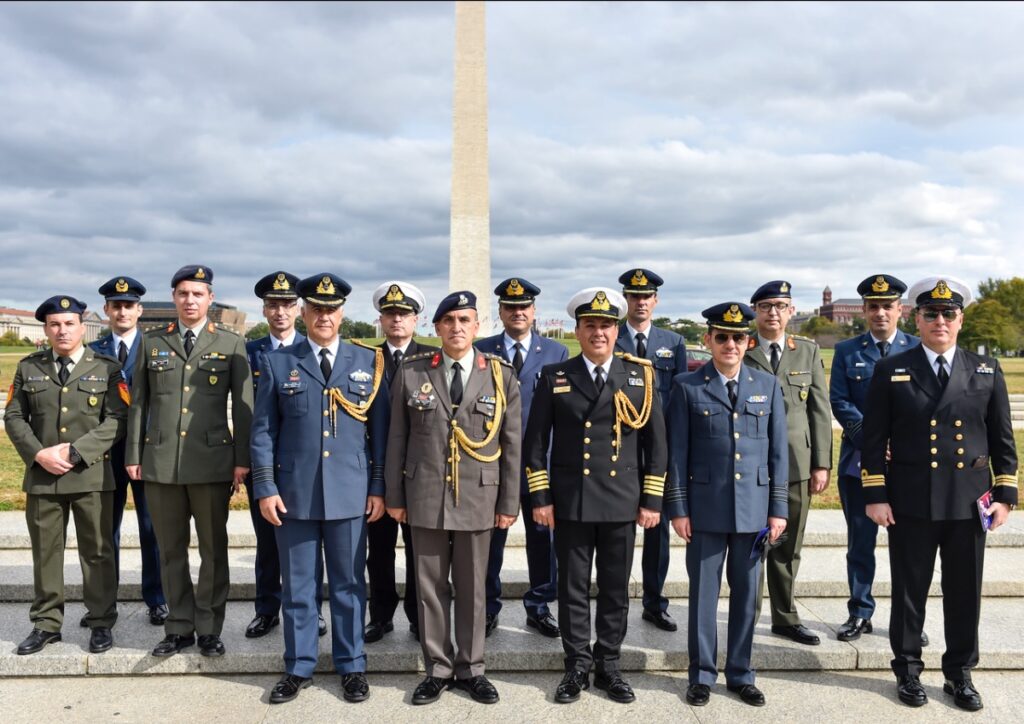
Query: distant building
pixel 844 311
pixel 159 314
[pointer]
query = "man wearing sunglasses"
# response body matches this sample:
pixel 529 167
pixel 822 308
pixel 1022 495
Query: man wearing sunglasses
pixel 796 361
pixel 727 483
pixel 937 436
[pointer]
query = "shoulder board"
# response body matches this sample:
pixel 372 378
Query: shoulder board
pixel 418 356
pixel 218 327
pixel 37 354
pixel 808 340
pixel 626 357
pixel 105 358
pixel 501 359
pixel 161 330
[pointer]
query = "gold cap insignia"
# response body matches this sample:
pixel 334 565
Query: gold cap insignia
pixel 880 285
pixel 281 283
pixel 784 288
pixel 121 286
pixel 394 294
pixel 65 303
pixel 200 273
pixel 326 286
pixel 733 315
pixel 601 303
pixel 942 290
pixel 639 279
pixel 514 289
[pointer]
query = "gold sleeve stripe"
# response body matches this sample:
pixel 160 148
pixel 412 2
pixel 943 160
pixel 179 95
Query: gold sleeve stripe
pixel 537 487
pixel 873 483
pixel 655 493
pixel 1006 480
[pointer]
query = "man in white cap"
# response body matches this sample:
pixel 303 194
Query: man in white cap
pixel 938 441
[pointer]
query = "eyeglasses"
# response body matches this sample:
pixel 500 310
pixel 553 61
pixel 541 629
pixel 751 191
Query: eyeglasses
pixel 766 307
pixel 737 337
pixel 930 315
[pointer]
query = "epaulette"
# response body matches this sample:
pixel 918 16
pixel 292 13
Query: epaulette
pixel 803 339
pixel 38 353
pixel 419 356
pixel 498 357
pixel 105 357
pixel 361 343
pixel 634 359
pixel 220 327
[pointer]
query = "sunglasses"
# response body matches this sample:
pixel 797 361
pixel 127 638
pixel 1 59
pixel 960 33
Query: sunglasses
pixel 737 337
pixel 930 315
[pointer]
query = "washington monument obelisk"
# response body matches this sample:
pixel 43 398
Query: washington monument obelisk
pixel 469 265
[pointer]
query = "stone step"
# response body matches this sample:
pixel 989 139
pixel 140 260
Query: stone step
pixel 512 647
pixel 822 574
pixel 824 528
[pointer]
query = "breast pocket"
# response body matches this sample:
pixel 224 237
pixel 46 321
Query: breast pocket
pixel 756 418
pixel 859 375
pixel 798 387
pixel 483 418
pixel 709 420
pixel 164 375
pixel 423 412
pixel 36 392
pixel 293 399
pixel 90 396
pixel 212 377
pixel 664 372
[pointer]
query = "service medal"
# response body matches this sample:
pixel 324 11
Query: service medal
pixel 426 388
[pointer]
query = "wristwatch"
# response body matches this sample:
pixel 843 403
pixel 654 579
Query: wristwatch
pixel 73 456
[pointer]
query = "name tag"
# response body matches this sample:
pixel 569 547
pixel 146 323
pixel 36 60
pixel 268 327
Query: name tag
pixel 635 381
pixel 664 353
pixel 563 388
pixel 985 370
pixel 757 398
pixel 860 364
pixel 900 378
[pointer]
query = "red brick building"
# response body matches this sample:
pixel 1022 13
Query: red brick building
pixel 844 311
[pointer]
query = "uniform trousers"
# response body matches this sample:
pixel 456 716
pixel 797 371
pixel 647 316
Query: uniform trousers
pixel 152 592
pixel 47 518
pixel 541 563
pixel 198 609
pixel 861 533
pixel 344 557
pixel 654 565
pixel 913 543
pixel 382 537
pixel 462 555
pixel 577 544
pixel 783 562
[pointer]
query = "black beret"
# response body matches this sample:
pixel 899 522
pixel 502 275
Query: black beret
pixel 456 300
pixel 60 304
pixel 192 273
pixel 777 289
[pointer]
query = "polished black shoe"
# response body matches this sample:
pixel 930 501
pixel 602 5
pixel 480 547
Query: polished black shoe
pixel 321 625
pixel 375 631
pixel 853 628
pixel 571 685
pixel 211 645
pixel 158 614
pixel 430 689
pixel 355 687
pixel 616 687
pixel 492 623
pixel 37 640
pixel 172 644
pixel 698 694
pixel 799 633
pixel 100 640
pixel 260 626
pixel 661 619
pixel 545 625
pixel 288 688
pixel 480 689
pixel 749 693
pixel 964 694
pixel 414 629
pixel 910 691
pixel 924 639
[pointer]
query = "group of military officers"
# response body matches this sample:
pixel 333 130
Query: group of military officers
pixel 342 445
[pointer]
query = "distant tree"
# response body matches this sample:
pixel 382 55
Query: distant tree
pixel 1009 293
pixel 351 328
pixel 820 325
pixel 990 323
pixel 859 325
pixel 258 330
pixel 10 339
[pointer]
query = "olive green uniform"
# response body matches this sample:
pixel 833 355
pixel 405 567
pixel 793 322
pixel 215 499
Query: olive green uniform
pixel 178 432
pixel 88 411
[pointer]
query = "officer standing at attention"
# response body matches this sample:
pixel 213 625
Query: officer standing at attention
pixel 667 351
pixel 797 362
pixel 527 352
pixel 595 462
pixel 65 410
pixel 728 488
pixel 399 304
pixel 123 307
pixel 318 467
pixel 180 444
pixel 937 436
pixel 280 309
pixel 452 474
pixel 852 367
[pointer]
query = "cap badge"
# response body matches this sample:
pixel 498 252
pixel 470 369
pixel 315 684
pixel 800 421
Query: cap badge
pixel 784 288
pixel 880 285
pixel 514 289
pixel 733 315
pixel 639 279
pixel 326 286
pixel 463 300
pixel 601 303
pixel 200 273
pixel 121 286
pixel 394 294
pixel 942 291
pixel 65 303
pixel 281 283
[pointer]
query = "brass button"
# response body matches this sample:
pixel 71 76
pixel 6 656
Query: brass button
pixel 934 450
pixel 184 433
pixel 735 415
pixel 706 412
pixel 327 453
pixel 615 443
pixel 738 456
pixel 64 389
pixel 587 424
pixel 586 471
pixel 586 441
pixel 184 410
pixel 934 436
pixel 186 388
pixel 325 393
pixel 326 434
pixel 147 439
pixel 448 459
pixel 959 436
pixel 739 476
pixel 586 456
pixel 959 451
pixel 760 412
pixel 63 409
pixel 612 473
pixel 63 429
pixel 447 478
pixel 934 464
pixel 959 466
pixel 188 367
pixel 615 458
pixel 934 423
pixel 958 423
pixel 736 435
pixel 326 413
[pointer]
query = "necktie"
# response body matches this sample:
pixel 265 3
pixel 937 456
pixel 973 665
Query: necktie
pixel 325 364
pixel 731 385
pixel 641 345
pixel 599 378
pixel 190 340
pixel 122 351
pixel 62 373
pixel 456 389
pixel 775 357
pixel 943 373
pixel 396 359
pixel 517 361
pixel 883 348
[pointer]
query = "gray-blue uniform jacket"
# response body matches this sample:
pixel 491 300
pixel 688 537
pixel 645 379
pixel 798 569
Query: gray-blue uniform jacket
pixel 728 469
pixel 319 475
pixel 666 349
pixel 852 367
pixel 256 348
pixel 105 345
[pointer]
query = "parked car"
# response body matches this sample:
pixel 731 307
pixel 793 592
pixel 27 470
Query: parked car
pixel 696 357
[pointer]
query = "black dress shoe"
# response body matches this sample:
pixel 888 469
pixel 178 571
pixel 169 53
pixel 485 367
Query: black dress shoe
pixel 288 688
pixel 853 628
pixel 480 689
pixel 158 614
pixel 321 625
pixel 261 625
pixel 355 687
pixel 571 685
pixel 910 691
pixel 37 640
pixel 100 640
pixel 430 689
pixel 492 623
pixel 211 645
pixel 172 644
pixel 545 625
pixel 749 693
pixel 661 619
pixel 375 631
pixel 799 633
pixel 615 686
pixel 964 694
pixel 414 629
pixel 924 639
pixel 698 694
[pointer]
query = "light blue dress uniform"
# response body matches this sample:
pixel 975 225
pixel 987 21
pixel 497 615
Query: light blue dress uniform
pixel 852 368
pixel 324 479
pixel 728 473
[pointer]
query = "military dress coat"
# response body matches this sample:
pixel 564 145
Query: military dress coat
pixel 256 348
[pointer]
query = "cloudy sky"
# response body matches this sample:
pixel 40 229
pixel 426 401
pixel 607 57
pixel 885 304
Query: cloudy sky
pixel 721 145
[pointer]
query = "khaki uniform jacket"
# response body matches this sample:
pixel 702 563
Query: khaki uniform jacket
pixel 808 415
pixel 177 426
pixel 89 412
pixel 418 468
